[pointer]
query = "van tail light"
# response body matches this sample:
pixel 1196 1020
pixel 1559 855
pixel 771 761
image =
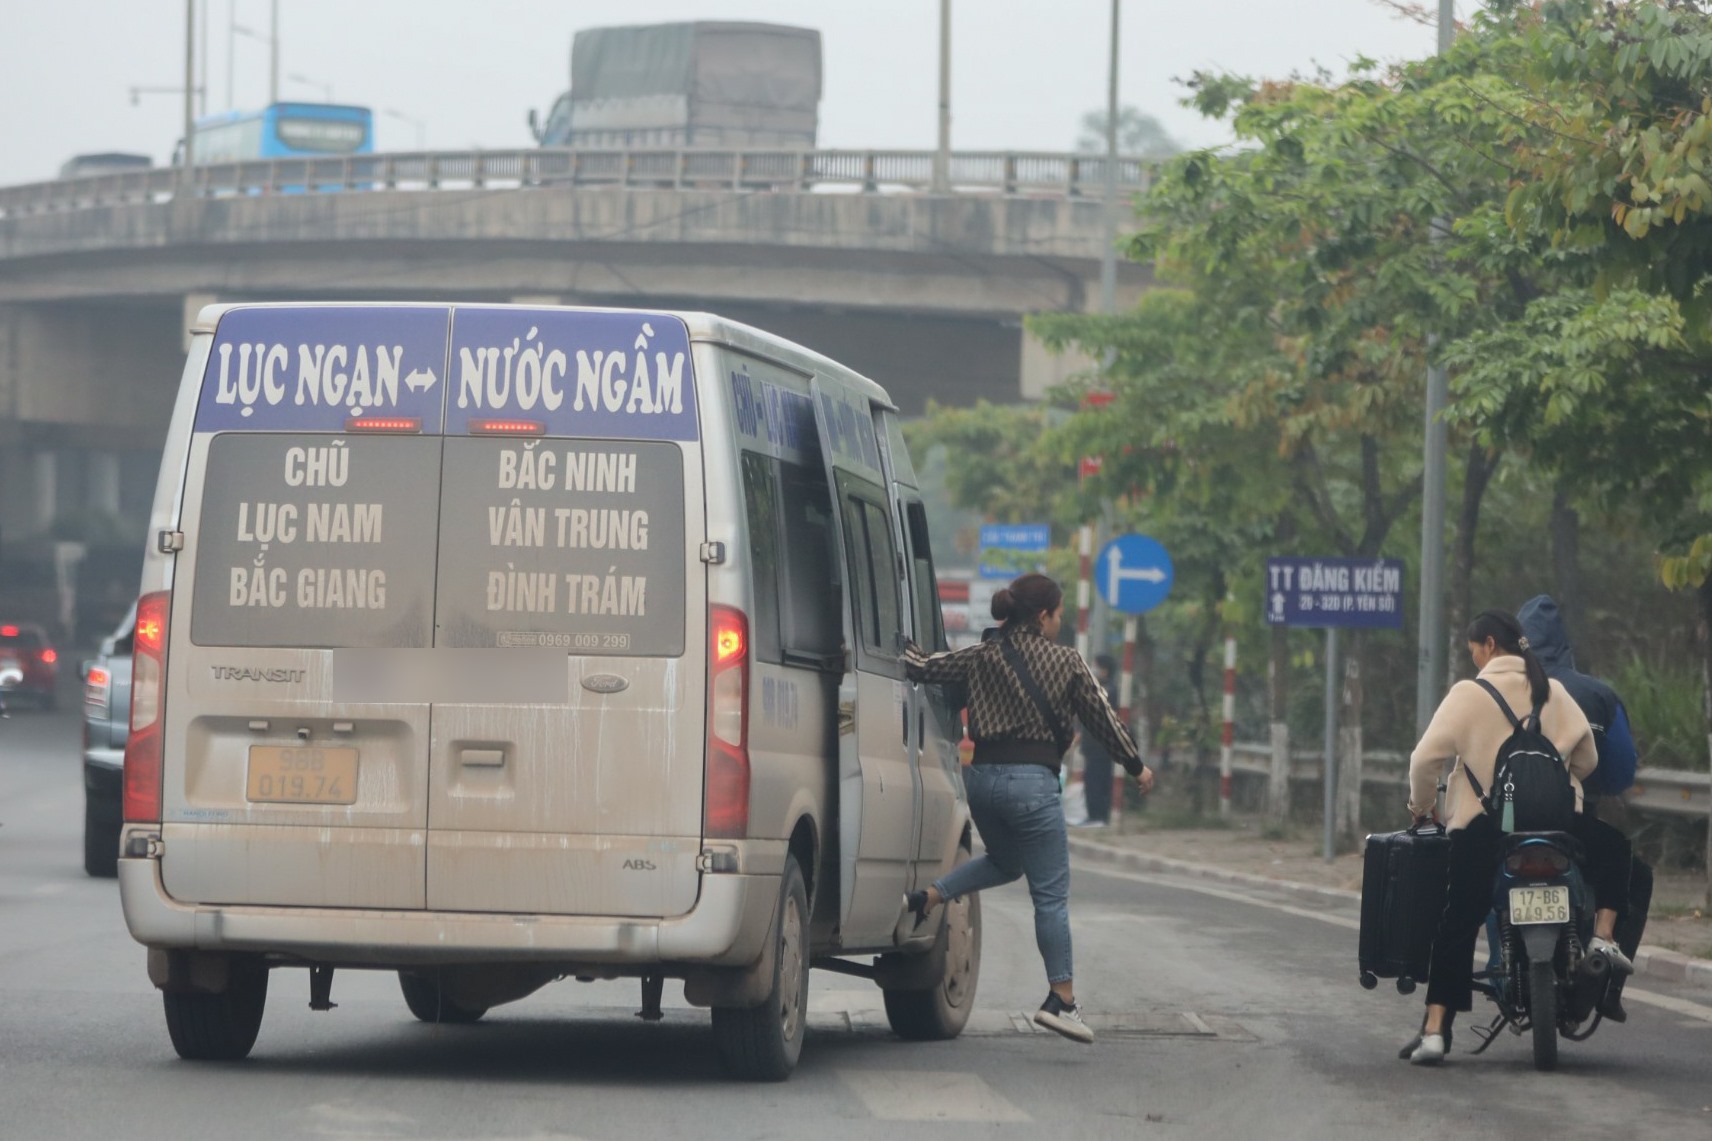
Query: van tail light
pixel 726 814
pixel 48 657
pixel 143 776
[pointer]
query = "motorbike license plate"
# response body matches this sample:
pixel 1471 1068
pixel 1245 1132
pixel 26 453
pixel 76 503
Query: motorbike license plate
pixel 289 774
pixel 1539 904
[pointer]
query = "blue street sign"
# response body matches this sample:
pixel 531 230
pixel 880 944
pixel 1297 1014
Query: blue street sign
pixel 1017 536
pixel 1312 592
pixel 1133 573
pixel 1006 548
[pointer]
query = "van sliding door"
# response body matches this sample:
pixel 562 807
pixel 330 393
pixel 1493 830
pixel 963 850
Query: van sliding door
pixel 877 791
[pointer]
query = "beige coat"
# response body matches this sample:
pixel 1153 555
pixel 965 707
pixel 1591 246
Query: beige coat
pixel 1469 725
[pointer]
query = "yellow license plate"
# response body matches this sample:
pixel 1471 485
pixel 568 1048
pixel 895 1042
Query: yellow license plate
pixel 290 774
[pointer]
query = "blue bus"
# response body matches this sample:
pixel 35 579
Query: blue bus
pixel 284 130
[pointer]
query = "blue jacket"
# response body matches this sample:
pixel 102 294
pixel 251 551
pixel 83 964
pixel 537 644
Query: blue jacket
pixel 1543 626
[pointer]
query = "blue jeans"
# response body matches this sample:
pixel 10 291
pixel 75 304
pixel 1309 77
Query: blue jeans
pixel 1017 810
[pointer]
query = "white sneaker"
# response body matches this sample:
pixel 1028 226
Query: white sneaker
pixel 1430 1052
pixel 1613 954
pixel 1064 1018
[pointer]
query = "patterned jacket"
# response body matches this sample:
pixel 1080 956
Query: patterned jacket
pixel 1001 709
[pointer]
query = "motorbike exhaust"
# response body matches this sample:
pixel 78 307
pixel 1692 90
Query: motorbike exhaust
pixel 1592 976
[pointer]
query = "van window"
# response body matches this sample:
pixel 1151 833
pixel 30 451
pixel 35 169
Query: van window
pixel 761 506
pixel 811 624
pixel 924 588
pixel 316 541
pixel 562 543
pixel 879 612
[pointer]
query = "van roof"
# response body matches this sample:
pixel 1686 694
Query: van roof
pixel 706 327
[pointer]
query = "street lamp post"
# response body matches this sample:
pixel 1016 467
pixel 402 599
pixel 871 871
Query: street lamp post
pixel 1430 665
pixel 421 127
pixel 942 155
pixel 189 93
pixel 326 88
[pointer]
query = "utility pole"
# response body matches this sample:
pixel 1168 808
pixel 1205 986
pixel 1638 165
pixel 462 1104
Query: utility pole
pixel 202 91
pixel 184 173
pixel 942 156
pixel 273 56
pixel 1430 665
pixel 1109 220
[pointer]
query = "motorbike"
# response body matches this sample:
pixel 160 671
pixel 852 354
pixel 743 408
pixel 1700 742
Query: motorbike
pixel 11 676
pixel 1540 974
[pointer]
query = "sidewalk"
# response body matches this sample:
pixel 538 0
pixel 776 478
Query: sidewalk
pixel 1677 945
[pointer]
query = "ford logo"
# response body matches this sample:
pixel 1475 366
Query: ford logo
pixel 605 683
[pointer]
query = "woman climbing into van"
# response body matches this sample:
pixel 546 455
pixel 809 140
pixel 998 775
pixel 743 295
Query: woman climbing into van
pixel 1024 689
pixel 1469 726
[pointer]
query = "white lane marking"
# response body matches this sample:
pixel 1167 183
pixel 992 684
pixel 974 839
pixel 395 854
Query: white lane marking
pixel 1221 893
pixel 911 1095
pixel 1647 997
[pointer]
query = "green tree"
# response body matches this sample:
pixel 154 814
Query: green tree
pixel 1140 135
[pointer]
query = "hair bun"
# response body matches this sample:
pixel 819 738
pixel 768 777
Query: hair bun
pixel 1003 604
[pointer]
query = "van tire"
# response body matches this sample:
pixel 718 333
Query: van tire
pixel 762 1043
pixel 218 1027
pixel 100 842
pixel 427 1000
pixel 940 1012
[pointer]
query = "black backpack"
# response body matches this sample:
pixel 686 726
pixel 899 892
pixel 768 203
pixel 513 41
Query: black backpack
pixel 1531 789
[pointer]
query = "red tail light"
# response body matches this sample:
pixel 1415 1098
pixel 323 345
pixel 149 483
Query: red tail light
pixel 507 428
pixel 48 657
pixel 406 424
pixel 726 815
pixel 1537 861
pixel 143 774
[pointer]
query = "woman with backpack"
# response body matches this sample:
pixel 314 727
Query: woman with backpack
pixel 1471 726
pixel 1024 689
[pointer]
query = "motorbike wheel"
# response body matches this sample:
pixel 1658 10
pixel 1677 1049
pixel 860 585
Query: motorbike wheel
pixel 1542 1012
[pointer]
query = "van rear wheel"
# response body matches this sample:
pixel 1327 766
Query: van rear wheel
pixel 218 1027
pixel 427 1000
pixel 762 1043
pixel 941 1011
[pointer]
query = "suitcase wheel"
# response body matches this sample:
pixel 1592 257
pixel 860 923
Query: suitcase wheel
pixel 1405 985
pixel 1369 980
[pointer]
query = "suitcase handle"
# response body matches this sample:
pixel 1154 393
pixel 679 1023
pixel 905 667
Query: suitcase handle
pixel 1436 828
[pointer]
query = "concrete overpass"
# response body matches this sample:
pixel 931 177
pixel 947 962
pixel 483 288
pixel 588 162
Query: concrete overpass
pixel 846 252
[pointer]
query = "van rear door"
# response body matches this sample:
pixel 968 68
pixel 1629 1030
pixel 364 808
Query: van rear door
pixel 305 534
pixel 569 562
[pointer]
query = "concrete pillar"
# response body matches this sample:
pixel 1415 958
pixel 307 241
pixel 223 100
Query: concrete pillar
pixel 47 489
pixel 1043 369
pixel 101 479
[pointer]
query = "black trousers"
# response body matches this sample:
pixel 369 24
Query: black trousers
pixel 1474 854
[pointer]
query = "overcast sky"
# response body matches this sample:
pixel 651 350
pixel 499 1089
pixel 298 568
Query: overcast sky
pixel 1023 71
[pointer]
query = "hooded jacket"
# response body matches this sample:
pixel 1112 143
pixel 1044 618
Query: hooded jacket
pixel 1542 623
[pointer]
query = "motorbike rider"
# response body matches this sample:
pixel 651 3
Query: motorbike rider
pixel 1543 624
pixel 1468 726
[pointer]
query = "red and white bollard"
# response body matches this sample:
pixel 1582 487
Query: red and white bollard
pixel 1227 737
pixel 1126 694
pixel 1084 588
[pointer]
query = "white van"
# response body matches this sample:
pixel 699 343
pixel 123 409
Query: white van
pixel 493 645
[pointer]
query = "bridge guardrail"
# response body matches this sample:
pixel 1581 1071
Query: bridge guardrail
pixel 1032 173
pixel 1664 792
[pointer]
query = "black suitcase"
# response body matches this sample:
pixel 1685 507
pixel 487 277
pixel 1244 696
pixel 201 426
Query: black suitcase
pixel 1403 883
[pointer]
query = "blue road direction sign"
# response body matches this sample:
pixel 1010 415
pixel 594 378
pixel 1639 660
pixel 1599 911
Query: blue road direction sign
pixel 1010 549
pixel 1312 592
pixel 1133 573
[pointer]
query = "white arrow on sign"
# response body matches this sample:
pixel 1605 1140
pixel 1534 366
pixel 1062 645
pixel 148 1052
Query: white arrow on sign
pixel 420 379
pixel 1116 574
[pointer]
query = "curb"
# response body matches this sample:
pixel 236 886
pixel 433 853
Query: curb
pixel 1651 962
